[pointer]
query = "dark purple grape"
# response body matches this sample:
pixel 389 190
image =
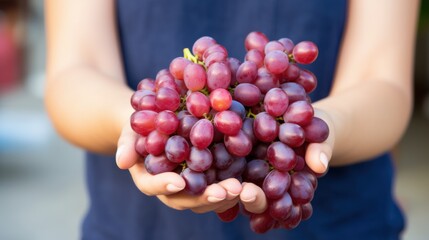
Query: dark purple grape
pixel 210 175
pixel 234 170
pixel 260 151
pixel 185 125
pixel 247 128
pixel 238 108
pixel 281 156
pixel 280 209
pixel 291 134
pixel 196 182
pixel 316 131
pixel 247 94
pixel 300 189
pixel 261 223
pixel 265 127
pixel 202 132
pixel 294 91
pixel 300 163
pixel 276 183
pixel 222 158
pixel 294 218
pixel 177 149
pixel 306 211
pixel 199 159
pixel 233 64
pixel 266 81
pixel 256 171
pixel 158 164
pixel 238 145
pixel 230 214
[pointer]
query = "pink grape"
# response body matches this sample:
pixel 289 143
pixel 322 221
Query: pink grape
pixel 146 84
pixel 155 143
pixel 201 134
pixel 216 57
pixel 305 52
pixel 143 122
pixel 167 99
pixel 228 122
pixel 238 145
pixel 177 67
pixel 140 146
pixel 201 45
pixel 273 45
pixel 255 40
pixel 281 156
pixel 276 61
pixel 265 127
pixel 147 103
pixel 294 91
pixel 198 104
pixel 166 122
pixel 195 77
pixel 214 48
pixel 220 99
pixel 288 44
pixel 307 80
pixel 276 102
pixel 218 76
pixel 137 96
pixel 299 112
pixel 255 56
pixel 291 73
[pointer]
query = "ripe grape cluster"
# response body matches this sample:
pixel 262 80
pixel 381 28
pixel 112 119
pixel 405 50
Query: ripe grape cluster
pixel 210 117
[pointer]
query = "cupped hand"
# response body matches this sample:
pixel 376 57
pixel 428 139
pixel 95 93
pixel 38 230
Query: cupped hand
pixel 168 186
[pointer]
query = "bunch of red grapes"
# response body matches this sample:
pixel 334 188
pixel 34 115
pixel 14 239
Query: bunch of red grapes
pixel 209 117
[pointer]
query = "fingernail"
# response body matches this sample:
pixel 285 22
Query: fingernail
pixel 119 152
pixel 173 188
pixel 214 199
pixel 323 159
pixel 249 200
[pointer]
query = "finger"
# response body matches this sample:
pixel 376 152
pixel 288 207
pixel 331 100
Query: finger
pixel 232 186
pixel 318 156
pixel 253 198
pixel 227 205
pixel 126 155
pixel 159 184
pixel 212 195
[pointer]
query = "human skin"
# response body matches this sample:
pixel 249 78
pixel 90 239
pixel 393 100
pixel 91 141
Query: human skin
pixel 367 110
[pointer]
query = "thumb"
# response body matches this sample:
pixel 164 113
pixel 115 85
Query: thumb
pixel 126 155
pixel 318 156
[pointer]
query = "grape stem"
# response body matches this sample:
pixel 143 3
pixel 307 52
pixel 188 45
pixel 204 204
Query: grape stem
pixel 250 114
pixel 188 55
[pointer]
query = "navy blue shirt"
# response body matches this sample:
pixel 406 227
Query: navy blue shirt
pixel 352 202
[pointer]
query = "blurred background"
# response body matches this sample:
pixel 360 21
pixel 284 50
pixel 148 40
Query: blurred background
pixel 42 194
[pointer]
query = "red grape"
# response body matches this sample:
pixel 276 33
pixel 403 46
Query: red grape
pixel 143 122
pixel 220 99
pixel 305 52
pixel 201 134
pixel 177 67
pixel 276 61
pixel 255 40
pixel 177 149
pixel 201 45
pixel 276 102
pixel 196 182
pixel 276 183
pixel 166 122
pixel 218 76
pixel 199 159
pixel 227 122
pixel 195 77
pixel 238 145
pixel 158 164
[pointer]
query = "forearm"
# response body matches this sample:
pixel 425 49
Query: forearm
pixel 367 119
pixel 88 108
